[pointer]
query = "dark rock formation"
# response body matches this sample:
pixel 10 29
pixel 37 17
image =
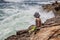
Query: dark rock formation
pixel 55 7
pixel 13 37
pixel 21 32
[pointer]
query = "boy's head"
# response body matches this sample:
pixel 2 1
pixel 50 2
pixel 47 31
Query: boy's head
pixel 36 15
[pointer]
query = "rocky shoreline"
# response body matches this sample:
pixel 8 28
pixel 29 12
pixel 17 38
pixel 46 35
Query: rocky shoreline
pixel 50 30
pixel 52 24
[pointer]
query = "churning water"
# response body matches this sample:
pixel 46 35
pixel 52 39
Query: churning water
pixel 16 16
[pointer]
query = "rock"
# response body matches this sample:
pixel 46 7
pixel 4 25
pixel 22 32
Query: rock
pixel 23 38
pixel 53 21
pixel 13 37
pixel 45 33
pixel 21 32
pixel 56 36
pixel 55 7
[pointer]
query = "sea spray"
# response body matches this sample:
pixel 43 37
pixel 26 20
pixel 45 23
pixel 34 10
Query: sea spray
pixel 21 19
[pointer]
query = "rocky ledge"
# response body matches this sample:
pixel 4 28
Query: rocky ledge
pixel 55 7
pixel 50 30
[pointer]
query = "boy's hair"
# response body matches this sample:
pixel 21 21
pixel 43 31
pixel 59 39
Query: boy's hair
pixel 36 15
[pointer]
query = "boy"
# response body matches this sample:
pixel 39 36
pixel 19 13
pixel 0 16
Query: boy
pixel 38 20
pixel 38 24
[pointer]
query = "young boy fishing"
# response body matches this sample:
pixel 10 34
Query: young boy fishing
pixel 37 22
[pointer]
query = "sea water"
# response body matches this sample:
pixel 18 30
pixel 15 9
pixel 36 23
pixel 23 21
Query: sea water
pixel 19 16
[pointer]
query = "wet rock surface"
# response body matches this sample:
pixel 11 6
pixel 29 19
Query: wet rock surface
pixel 49 31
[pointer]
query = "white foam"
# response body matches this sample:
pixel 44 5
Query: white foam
pixel 14 0
pixel 21 19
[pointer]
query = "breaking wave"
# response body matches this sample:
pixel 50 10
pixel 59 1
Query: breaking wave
pixel 15 17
